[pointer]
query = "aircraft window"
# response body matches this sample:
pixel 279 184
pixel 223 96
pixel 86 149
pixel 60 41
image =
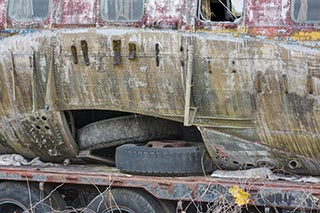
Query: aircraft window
pixel 220 10
pixel 305 11
pixel 122 10
pixel 28 9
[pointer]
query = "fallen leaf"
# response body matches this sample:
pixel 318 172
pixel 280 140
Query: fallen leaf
pixel 241 197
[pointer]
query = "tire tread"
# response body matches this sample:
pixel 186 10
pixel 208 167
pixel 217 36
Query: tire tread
pixel 131 158
pixel 126 129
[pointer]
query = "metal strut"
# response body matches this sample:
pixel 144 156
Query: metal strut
pixel 188 119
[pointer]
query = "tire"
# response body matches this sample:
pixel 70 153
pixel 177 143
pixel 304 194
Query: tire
pixel 126 129
pixel 19 197
pixel 176 161
pixel 56 200
pixel 124 201
pixel 167 206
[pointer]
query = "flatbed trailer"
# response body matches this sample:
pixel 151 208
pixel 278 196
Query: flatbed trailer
pixel 265 195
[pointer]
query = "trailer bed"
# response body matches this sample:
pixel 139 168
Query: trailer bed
pixel 282 194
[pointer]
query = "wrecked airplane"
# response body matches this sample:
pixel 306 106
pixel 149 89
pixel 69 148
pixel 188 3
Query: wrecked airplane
pixel 245 74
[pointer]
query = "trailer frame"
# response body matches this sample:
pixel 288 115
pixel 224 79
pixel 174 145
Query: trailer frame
pixel 264 193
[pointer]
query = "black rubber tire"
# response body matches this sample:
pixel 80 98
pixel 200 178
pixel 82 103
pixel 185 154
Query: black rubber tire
pixel 19 197
pixel 167 206
pixel 128 200
pixel 182 161
pixel 56 200
pixel 126 129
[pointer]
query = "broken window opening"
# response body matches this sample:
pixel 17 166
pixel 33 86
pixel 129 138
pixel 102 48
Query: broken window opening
pixel 28 9
pixel 122 10
pixel 220 10
pixel 305 11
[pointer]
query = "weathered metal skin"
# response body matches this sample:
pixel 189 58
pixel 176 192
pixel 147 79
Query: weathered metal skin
pixel 255 82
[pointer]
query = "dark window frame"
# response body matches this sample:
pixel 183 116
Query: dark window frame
pixel 202 18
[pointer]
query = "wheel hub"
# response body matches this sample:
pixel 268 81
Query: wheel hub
pixel 167 144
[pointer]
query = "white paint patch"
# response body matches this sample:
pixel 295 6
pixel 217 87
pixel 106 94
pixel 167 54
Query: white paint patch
pixel 237 6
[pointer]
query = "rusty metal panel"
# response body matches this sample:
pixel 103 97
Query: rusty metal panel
pixel 300 199
pixel 284 194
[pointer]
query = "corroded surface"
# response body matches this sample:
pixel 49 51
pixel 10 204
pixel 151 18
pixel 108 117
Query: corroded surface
pixel 137 84
pixel 283 194
pixel 256 79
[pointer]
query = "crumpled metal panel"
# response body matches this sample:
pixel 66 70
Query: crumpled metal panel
pixel 233 153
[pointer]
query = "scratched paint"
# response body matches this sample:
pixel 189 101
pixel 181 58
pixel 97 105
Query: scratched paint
pixel 1 13
pixel 81 12
pixel 169 11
